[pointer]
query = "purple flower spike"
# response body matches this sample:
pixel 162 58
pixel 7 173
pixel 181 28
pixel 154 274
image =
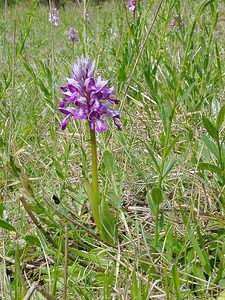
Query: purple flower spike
pixel 177 22
pixel 132 6
pixel 86 97
pixel 73 35
pixel 54 16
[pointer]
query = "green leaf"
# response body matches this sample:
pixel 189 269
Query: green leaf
pixel 151 203
pixel 210 167
pixel 157 195
pixel 6 225
pixel 95 203
pixel 152 155
pixel 1 207
pixel 32 239
pixel 109 162
pixel 58 169
pixel 43 88
pixel 97 256
pixel 210 128
pixel 108 226
pixel 135 287
pixel 187 92
pixel 161 222
pixel 169 165
pixel 14 167
pixel 204 261
pixel 176 282
pixel 164 118
pixel 210 145
pixel 220 117
pixel 172 145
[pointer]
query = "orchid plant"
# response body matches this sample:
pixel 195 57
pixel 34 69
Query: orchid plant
pixel 89 98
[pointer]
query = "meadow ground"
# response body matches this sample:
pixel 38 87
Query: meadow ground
pixel 161 177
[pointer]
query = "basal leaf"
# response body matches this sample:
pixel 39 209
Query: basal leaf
pixel 108 226
pixel 220 117
pixel 5 225
pixel 210 167
pixel 210 145
pixel 157 195
pixel 210 128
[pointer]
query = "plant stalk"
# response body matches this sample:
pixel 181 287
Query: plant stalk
pixel 96 199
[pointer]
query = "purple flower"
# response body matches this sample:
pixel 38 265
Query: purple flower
pixel 132 6
pixel 172 23
pixel 87 97
pixel 73 35
pixel 177 22
pixel 54 16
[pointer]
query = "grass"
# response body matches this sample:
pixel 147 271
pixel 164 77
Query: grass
pixel 162 175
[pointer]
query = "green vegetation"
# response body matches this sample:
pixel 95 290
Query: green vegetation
pixel 162 177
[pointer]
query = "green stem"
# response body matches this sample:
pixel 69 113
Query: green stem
pixel 85 27
pixel 95 188
pixel 221 158
pixel 156 227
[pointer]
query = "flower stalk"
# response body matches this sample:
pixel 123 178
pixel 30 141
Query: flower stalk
pixel 96 203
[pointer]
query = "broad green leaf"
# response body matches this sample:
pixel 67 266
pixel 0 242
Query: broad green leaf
pixel 172 145
pixel 161 221
pixel 108 283
pixel 210 128
pixel 30 70
pixel 187 92
pixel 4 224
pixel 32 239
pixel 164 118
pixel 58 169
pixel 204 261
pixel 220 117
pixel 152 155
pixel 109 162
pixel 194 242
pixel 196 269
pixel 176 282
pixel 169 165
pixel 43 88
pixel 108 226
pixel 95 203
pixel 219 273
pixel 14 167
pixel 135 287
pixel 210 145
pixel 97 256
pixel 151 203
pixel 209 167
pixel 157 195
pixel 1 207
